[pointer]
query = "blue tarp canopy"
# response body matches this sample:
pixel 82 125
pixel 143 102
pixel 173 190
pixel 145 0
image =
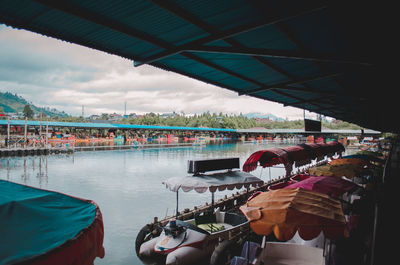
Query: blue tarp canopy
pixel 37 224
pixel 328 57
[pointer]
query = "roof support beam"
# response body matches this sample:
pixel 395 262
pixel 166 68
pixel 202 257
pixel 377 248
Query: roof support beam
pixel 88 15
pixel 286 85
pixel 338 107
pixel 259 5
pixel 191 18
pixel 299 99
pixel 270 19
pixel 332 58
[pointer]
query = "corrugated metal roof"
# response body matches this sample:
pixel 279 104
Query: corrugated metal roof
pixel 323 56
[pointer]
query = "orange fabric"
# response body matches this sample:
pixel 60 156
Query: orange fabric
pixel 286 211
pixel 352 161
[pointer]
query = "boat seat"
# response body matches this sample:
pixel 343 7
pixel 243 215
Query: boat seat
pixel 206 218
pixel 234 219
pixel 212 227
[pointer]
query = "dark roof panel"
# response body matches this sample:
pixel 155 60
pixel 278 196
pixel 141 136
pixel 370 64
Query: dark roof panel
pixel 324 56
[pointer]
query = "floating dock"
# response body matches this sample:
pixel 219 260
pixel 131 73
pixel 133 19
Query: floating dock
pixel 34 151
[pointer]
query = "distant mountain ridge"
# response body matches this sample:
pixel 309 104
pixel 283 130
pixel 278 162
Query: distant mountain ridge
pixel 13 103
pixel 263 116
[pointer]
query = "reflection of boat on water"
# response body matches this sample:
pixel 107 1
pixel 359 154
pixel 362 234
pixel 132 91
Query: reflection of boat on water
pixel 119 139
pixel 186 242
pixel 46 227
pixel 62 139
pixel 199 143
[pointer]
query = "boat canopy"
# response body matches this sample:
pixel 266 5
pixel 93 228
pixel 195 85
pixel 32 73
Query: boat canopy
pixel 298 154
pixel 347 170
pixel 287 211
pixel 289 155
pixel 266 158
pixel 213 182
pixel 45 227
pixel 331 186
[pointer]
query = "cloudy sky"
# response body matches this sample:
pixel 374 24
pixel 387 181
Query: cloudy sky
pixel 57 74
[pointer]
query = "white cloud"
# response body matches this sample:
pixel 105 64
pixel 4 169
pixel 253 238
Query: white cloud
pixel 58 74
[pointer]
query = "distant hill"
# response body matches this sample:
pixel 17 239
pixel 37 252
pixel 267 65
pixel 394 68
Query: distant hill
pixel 263 116
pixel 13 103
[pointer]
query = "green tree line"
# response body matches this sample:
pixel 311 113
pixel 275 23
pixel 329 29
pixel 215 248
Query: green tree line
pixel 213 120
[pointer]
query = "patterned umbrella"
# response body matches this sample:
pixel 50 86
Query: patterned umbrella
pixel 286 211
pixel 347 170
pixel 331 186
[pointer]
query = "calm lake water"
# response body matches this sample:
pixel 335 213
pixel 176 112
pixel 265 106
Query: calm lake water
pixel 126 184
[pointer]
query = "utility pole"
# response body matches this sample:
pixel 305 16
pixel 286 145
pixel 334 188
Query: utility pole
pixel 83 111
pixel 125 110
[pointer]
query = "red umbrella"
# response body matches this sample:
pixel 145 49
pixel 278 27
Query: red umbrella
pixel 315 150
pixel 266 158
pixel 332 186
pixel 298 154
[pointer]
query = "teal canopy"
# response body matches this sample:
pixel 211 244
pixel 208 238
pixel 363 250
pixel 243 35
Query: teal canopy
pixel 35 222
pixel 328 57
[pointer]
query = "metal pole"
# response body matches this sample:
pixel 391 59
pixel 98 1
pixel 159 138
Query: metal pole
pixel 26 131
pixel 177 198
pixel 212 201
pixel 47 132
pixel 248 246
pixel 40 129
pixel 8 134
pixel 270 174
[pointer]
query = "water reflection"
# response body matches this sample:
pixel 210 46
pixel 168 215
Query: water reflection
pixel 126 184
pixel 29 167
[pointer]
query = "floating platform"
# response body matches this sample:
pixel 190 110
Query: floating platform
pixel 34 151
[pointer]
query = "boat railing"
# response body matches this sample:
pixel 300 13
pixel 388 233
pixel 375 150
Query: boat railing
pixel 229 203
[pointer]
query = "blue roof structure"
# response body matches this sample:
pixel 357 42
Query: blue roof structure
pixel 89 125
pixel 324 56
pixel 110 126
